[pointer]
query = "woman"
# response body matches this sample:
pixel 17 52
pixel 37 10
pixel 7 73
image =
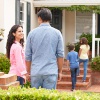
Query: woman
pixel 15 53
pixel 83 55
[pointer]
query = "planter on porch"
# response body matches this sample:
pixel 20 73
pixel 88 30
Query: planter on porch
pixel 95 78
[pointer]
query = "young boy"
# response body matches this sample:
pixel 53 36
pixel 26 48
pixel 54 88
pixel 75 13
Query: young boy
pixel 72 61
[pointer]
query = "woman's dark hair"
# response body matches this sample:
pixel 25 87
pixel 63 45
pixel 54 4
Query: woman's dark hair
pixel 11 39
pixel 83 40
pixel 45 14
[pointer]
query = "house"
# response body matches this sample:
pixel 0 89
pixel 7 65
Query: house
pixel 71 23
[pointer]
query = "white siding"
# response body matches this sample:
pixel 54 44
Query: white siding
pixel 7 19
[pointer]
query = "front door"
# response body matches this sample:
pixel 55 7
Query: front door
pixel 57 19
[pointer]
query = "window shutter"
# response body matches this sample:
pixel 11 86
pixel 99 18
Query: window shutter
pixel 17 12
pixel 98 24
pixel 28 17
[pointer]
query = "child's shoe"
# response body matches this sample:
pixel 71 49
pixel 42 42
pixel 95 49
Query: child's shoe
pixel 73 90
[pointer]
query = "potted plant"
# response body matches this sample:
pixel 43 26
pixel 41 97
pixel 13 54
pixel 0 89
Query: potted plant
pixel 95 67
pixel 89 38
pixel 95 63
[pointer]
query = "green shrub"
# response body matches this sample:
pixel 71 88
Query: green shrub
pixel 44 94
pixel 76 46
pixel 4 63
pixel 27 85
pixel 89 38
pixel 95 63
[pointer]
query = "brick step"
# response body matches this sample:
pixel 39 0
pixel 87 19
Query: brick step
pixel 68 85
pixel 81 65
pixel 67 78
pixel 65 71
pixel 7 78
pixel 1 73
pixel 16 83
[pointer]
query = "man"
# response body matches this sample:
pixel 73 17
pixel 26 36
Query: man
pixel 44 53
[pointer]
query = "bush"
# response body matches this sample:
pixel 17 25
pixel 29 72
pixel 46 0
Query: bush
pixel 95 63
pixel 44 94
pixel 4 63
pixel 89 38
pixel 76 46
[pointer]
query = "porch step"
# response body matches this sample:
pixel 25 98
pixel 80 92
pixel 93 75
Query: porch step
pixel 68 85
pixel 67 78
pixel 81 65
pixel 16 83
pixel 65 71
pixel 1 73
pixel 7 80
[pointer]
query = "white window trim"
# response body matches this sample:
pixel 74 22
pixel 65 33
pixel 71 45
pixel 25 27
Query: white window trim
pixel 24 20
pixel 77 40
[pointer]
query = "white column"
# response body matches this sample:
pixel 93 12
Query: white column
pixel 34 19
pixel 93 35
pixel 63 28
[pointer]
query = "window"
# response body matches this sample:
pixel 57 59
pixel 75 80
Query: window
pixel 83 23
pixel 21 13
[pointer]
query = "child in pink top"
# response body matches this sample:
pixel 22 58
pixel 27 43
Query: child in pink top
pixel 15 53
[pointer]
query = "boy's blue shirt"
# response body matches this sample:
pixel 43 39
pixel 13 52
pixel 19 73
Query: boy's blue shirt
pixel 73 58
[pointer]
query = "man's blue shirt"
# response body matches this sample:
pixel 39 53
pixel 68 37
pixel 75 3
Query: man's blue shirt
pixel 44 45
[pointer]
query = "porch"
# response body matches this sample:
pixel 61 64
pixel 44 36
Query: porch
pixel 70 24
pixel 91 84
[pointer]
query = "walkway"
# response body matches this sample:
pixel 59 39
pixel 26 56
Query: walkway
pixel 93 88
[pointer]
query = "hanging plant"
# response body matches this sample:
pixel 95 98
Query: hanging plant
pixel 82 8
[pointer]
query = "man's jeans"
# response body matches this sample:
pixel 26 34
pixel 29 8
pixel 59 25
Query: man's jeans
pixel 73 76
pixel 85 65
pixel 45 81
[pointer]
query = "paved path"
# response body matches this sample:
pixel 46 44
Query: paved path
pixel 93 88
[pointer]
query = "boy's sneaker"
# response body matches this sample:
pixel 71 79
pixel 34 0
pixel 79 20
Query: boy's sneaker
pixel 73 90
pixel 83 81
pixel 78 74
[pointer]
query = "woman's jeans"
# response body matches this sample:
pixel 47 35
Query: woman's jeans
pixel 85 65
pixel 21 80
pixel 73 76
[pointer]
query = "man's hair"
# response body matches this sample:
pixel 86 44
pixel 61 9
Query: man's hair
pixel 45 14
pixel 71 47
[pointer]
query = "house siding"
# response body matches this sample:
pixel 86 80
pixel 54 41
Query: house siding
pixel 70 28
pixel 7 19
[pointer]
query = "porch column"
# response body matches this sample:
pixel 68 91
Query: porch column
pixel 63 29
pixel 93 35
